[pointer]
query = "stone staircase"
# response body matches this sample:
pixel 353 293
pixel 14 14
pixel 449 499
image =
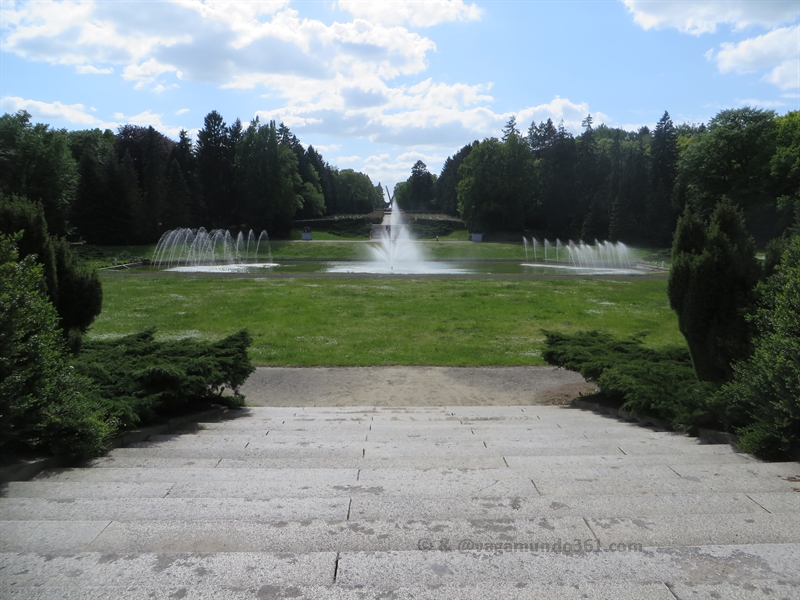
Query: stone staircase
pixel 446 502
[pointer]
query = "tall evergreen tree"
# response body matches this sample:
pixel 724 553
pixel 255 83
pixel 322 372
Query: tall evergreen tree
pixel 177 199
pixel 446 186
pixel 184 154
pixel 714 272
pixel 215 169
pixel 421 188
pixel 664 155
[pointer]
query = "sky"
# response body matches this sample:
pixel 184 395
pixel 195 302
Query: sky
pixel 377 85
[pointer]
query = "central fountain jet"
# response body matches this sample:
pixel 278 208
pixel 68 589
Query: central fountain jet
pixel 396 248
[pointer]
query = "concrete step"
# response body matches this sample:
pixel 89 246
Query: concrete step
pixel 520 590
pixel 689 572
pixel 174 509
pixel 401 535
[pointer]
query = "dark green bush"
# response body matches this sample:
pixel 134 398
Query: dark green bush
pixel 763 401
pixel 44 405
pixel 72 287
pixel 714 271
pixel 658 382
pixel 142 379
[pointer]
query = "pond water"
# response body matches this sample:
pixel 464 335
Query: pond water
pixel 461 267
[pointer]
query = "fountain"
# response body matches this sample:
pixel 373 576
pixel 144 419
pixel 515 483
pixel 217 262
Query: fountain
pixel 396 252
pixel 602 258
pixel 198 250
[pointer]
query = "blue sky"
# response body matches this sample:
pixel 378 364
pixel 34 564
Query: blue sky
pixel 377 86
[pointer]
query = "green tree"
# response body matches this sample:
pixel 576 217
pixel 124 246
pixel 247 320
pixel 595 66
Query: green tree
pixel 714 271
pixel 447 184
pixel 664 154
pixel 269 183
pixel 732 159
pixel 556 159
pixel 177 199
pixel 36 162
pixel 184 154
pixel 215 165
pixel 496 187
pixel 763 399
pixel 73 288
pixel 785 169
pixel 356 193
pixel 422 188
pixel 327 179
pixel 44 405
pixel 107 208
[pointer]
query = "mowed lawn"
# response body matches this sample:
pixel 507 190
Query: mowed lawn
pixel 358 322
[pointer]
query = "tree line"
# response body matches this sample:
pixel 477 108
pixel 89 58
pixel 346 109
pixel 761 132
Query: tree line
pixel 608 183
pixel 130 186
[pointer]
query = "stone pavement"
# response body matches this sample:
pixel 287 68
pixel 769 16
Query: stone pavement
pixel 434 502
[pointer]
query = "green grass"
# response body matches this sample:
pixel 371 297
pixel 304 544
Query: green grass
pixel 338 322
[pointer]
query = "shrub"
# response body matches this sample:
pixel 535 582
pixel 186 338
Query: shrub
pixel 714 271
pixel 73 288
pixel 763 401
pixel 142 379
pixel 44 405
pixel 659 382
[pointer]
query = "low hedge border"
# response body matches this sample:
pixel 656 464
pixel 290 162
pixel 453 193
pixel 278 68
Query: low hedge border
pixel 27 469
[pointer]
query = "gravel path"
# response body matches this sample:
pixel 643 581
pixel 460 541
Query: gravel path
pixel 413 386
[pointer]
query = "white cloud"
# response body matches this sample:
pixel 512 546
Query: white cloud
pixel 698 17
pixel 778 50
pixel 389 170
pixel 786 75
pixel 413 12
pixel 343 160
pixel 76 114
pixel 760 103
pixel 163 88
pixel 558 109
pixel 91 70
pixel 148 118
pixel 327 147
pixel 44 111
pixel 182 111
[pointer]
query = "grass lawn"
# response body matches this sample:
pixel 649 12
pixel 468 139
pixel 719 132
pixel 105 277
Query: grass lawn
pixel 353 322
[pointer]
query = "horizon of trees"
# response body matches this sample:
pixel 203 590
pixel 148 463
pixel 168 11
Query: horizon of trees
pixel 131 186
pixel 608 183
pixel 605 183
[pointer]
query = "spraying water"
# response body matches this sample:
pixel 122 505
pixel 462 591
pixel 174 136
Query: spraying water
pixel 186 248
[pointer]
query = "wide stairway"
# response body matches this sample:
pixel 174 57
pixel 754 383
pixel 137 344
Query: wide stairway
pixel 445 503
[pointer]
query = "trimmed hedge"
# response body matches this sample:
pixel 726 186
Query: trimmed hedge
pixel 141 379
pixel 658 382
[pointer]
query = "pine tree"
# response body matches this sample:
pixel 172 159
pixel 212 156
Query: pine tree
pixel 714 272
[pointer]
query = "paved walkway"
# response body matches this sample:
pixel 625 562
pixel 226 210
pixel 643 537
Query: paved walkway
pixel 425 502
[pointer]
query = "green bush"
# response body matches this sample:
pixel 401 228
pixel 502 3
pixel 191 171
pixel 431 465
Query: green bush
pixel 142 379
pixel 714 271
pixel 44 405
pixel 763 401
pixel 73 288
pixel 658 382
